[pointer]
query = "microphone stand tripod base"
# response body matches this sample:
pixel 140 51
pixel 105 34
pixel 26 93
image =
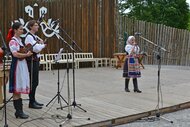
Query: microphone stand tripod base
pixel 69 116
pixel 66 119
pixel 156 118
pixel 74 104
pixel 161 117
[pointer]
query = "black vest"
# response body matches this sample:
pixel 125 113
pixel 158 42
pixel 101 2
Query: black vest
pixel 34 56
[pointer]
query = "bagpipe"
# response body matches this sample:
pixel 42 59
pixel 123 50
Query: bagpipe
pixel 139 57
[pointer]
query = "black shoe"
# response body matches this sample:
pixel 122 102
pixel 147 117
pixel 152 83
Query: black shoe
pixel 39 104
pixel 138 91
pixel 127 90
pixel 21 115
pixel 34 106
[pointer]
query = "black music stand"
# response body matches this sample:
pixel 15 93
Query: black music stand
pixel 74 103
pixel 160 49
pixel 58 95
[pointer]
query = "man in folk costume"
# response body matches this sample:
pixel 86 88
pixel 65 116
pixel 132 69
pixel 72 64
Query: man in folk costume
pixel 19 81
pixel 33 62
pixel 131 67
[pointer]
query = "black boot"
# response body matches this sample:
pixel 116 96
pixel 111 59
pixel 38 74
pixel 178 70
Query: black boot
pixel 40 104
pixel 136 89
pixel 32 101
pixel 34 105
pixel 19 109
pixel 127 85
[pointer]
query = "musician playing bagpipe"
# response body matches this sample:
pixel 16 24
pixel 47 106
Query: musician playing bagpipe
pixel 131 66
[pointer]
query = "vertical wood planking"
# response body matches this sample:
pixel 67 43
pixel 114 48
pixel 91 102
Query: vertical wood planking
pixel 176 41
pixel 89 22
pixel 84 25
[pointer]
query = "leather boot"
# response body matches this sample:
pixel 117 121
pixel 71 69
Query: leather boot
pixel 34 105
pixel 19 109
pixel 40 104
pixel 136 89
pixel 127 85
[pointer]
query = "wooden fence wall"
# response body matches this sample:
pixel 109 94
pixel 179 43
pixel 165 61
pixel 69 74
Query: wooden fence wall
pixel 90 23
pixel 95 26
pixel 176 41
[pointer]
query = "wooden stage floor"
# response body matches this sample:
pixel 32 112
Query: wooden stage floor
pixel 101 93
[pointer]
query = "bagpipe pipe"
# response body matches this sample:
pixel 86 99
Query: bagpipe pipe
pixel 139 58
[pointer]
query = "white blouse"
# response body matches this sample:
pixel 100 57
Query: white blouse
pixel 128 48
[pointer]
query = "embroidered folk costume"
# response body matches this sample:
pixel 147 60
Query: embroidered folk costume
pixel 131 66
pixel 19 81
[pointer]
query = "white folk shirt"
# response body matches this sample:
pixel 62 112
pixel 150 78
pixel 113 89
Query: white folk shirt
pixel 128 48
pixel 30 40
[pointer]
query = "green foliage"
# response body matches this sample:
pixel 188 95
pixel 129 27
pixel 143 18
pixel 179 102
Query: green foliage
pixel 174 13
pixel 189 22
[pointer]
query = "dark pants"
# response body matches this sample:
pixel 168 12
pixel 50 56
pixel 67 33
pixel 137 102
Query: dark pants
pixel 135 83
pixel 125 69
pixel 34 78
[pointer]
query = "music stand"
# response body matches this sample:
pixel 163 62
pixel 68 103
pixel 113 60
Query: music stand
pixel 158 113
pixel 74 103
pixel 58 95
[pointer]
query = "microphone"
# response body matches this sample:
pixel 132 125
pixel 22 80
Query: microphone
pixel 41 17
pixel 56 21
pixel 137 33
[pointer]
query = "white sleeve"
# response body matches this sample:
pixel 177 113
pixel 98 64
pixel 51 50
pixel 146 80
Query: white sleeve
pixel 30 40
pixel 14 46
pixel 128 48
pixel 38 47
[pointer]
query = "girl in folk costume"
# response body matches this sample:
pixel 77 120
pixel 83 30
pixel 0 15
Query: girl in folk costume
pixel 131 67
pixel 19 82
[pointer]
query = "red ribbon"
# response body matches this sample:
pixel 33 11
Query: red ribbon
pixel 10 35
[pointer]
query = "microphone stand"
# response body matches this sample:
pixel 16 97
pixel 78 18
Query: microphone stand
pixel 158 113
pixel 5 52
pixel 74 104
pixel 69 115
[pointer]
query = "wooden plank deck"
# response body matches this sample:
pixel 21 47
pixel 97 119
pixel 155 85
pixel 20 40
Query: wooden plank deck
pixel 101 93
